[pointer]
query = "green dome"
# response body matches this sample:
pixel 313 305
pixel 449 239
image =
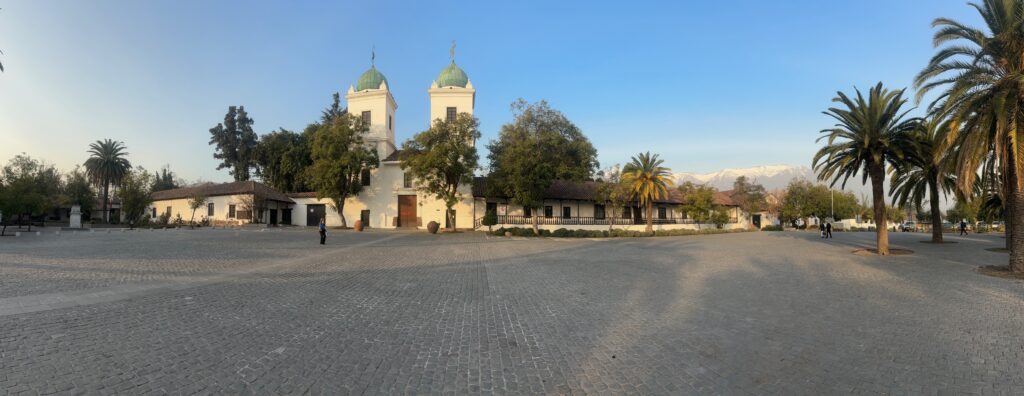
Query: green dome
pixel 370 80
pixel 452 76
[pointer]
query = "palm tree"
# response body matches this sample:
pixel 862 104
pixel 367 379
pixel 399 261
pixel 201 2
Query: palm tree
pixel 647 181
pixel 107 165
pixel 870 133
pixel 924 173
pixel 982 73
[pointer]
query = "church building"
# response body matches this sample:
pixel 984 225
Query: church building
pixel 389 198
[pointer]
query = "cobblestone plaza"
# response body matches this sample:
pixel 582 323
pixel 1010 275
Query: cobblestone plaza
pixel 272 312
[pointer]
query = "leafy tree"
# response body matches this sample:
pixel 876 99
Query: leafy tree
pixel 803 199
pixel 749 195
pixel 489 220
pixel 924 170
pixel 196 201
pixel 698 202
pixel 25 191
pixel 613 192
pixel 281 159
pixel 340 154
pixel 107 165
pixel 964 209
pixel 871 132
pixel 539 146
pixel 981 73
pixel 50 183
pixel 895 214
pixel 719 217
pixel 443 158
pixel 647 181
pixel 78 191
pixel 235 143
pixel 165 180
pixel 135 196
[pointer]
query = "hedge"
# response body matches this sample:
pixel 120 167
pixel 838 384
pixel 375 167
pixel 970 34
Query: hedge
pixel 615 233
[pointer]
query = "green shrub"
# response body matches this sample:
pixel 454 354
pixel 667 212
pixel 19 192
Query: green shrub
pixel 772 228
pixel 615 233
pixel 490 219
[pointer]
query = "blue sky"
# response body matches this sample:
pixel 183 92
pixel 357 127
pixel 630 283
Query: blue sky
pixel 708 85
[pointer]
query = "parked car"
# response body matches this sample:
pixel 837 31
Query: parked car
pixel 909 226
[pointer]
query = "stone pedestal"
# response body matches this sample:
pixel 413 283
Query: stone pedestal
pixel 76 217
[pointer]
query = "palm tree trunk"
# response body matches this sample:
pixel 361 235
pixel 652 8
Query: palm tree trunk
pixel 877 174
pixel 1015 218
pixel 650 218
pixel 536 226
pixel 106 199
pixel 1007 220
pixel 933 188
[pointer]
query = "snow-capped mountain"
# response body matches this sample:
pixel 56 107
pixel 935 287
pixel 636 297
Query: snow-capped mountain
pixel 770 176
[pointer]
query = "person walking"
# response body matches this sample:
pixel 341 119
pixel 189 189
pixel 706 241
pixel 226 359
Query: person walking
pixel 323 230
pixel 963 227
pixel 821 229
pixel 828 230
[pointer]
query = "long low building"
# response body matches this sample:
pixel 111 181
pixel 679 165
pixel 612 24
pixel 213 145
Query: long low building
pixel 225 203
pixel 572 205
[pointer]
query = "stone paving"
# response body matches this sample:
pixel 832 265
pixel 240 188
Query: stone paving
pixel 272 312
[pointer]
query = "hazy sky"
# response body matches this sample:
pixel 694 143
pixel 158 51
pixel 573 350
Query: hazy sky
pixel 707 84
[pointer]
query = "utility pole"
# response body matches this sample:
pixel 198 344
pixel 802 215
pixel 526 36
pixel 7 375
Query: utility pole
pixel 833 196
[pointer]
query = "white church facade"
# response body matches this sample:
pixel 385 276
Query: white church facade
pixel 389 198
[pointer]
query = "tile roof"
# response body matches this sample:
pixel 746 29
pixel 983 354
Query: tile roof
pixel 566 189
pixel 724 198
pixel 394 157
pixel 233 188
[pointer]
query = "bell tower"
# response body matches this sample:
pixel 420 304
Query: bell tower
pixel 371 100
pixel 451 92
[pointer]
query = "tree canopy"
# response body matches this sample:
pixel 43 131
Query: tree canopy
pixel 282 157
pixel 107 165
pixel 443 158
pixel 235 143
pixel 539 146
pixel 340 154
pixel 749 195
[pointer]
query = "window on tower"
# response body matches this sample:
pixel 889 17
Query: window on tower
pixel 366 118
pixel 365 177
pixel 451 114
pixel 407 181
pixel 390 128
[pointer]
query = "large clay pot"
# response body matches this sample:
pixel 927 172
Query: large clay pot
pixel 432 227
pixel 359 225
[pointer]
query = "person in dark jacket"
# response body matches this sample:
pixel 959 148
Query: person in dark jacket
pixel 821 229
pixel 963 227
pixel 828 230
pixel 323 230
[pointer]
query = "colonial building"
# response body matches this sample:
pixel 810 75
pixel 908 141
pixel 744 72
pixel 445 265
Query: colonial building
pixel 226 203
pixel 572 205
pixel 389 198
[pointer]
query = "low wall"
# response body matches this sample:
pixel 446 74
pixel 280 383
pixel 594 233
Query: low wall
pixel 631 227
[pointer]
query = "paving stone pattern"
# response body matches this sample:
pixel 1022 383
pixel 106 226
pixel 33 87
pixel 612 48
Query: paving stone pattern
pixel 223 311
